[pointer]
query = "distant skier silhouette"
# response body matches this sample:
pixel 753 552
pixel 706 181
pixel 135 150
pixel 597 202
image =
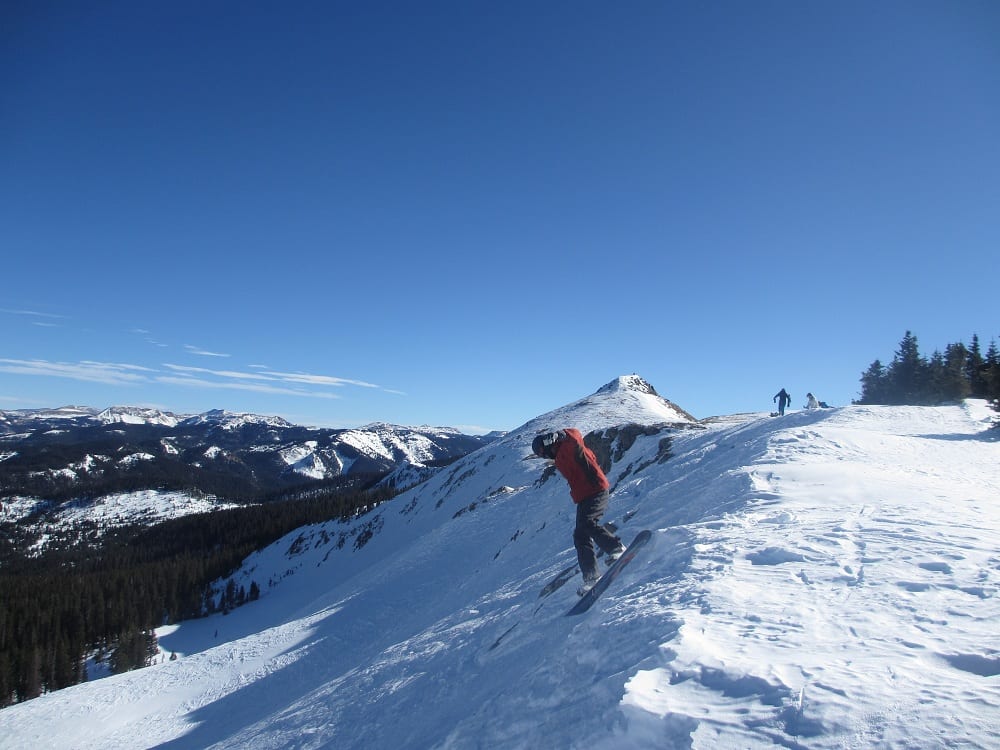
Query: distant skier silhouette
pixel 783 400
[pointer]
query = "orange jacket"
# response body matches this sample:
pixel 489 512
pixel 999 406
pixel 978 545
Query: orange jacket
pixel 578 464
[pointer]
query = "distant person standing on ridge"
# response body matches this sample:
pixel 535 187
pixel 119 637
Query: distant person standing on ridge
pixel 783 400
pixel 589 489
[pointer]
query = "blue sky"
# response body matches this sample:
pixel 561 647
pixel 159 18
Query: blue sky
pixel 470 213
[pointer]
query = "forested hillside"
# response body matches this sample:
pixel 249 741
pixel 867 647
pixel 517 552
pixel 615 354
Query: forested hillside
pixel 103 597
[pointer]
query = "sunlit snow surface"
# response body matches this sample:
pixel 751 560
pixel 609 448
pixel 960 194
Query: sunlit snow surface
pixel 828 579
pixel 120 509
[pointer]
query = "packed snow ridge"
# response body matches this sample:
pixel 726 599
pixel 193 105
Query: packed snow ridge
pixel 826 579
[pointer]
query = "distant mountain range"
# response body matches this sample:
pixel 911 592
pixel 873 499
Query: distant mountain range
pixel 73 451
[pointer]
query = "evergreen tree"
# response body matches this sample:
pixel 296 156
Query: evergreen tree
pixel 135 649
pixel 951 384
pixel 974 370
pixel 935 374
pixel 6 683
pixel 874 384
pixel 32 676
pixel 908 373
pixel 991 377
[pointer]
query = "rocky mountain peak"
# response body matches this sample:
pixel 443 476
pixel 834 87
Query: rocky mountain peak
pixel 632 382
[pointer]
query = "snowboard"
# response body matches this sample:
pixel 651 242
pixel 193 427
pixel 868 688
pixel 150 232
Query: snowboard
pixel 567 573
pixel 588 599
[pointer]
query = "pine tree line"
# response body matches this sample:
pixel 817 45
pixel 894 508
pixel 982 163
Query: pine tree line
pixel 958 372
pixel 108 598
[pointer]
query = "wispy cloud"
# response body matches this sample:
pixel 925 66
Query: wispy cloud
pixel 147 336
pixel 94 372
pixel 272 382
pixel 191 382
pixel 46 321
pixel 33 313
pixel 274 376
pixel 202 352
pixel 218 373
pixel 302 377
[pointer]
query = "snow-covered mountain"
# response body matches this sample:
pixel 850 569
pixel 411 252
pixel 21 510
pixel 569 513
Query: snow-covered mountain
pixel 63 454
pixel 228 420
pixel 137 415
pixel 59 413
pixel 828 579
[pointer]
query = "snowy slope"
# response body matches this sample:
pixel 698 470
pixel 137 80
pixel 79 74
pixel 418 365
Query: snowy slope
pixel 824 580
pixel 119 509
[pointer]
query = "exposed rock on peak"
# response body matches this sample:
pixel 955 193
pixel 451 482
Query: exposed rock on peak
pixel 629 383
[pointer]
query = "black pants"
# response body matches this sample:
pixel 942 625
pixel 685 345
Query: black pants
pixel 589 530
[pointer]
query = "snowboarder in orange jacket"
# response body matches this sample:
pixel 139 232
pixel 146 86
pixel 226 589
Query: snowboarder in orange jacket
pixel 588 486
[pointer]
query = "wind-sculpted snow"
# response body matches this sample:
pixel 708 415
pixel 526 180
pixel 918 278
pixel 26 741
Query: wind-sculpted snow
pixel 828 579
